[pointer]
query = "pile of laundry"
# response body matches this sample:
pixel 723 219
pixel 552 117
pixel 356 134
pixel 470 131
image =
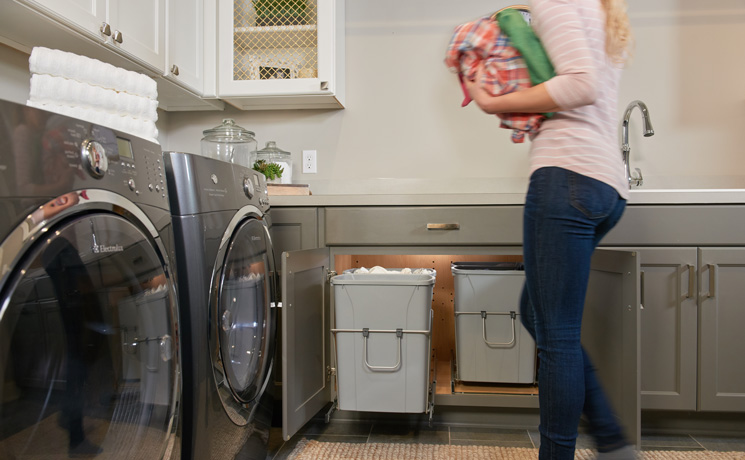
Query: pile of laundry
pixel 94 91
pixel 400 271
pixel 512 58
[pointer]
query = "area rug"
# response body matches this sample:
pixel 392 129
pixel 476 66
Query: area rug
pixel 315 450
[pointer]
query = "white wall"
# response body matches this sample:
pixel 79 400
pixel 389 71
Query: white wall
pixel 403 130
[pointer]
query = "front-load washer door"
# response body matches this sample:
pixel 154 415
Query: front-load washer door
pixel 244 320
pixel 88 364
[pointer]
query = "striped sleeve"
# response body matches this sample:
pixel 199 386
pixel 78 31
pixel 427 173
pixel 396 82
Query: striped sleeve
pixel 557 23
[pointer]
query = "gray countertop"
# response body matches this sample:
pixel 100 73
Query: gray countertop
pixel 638 197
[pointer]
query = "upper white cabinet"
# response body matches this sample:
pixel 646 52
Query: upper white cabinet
pixel 186 44
pixel 134 27
pixel 281 54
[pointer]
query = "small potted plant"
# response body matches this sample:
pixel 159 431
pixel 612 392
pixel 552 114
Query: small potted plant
pixel 279 12
pixel 272 171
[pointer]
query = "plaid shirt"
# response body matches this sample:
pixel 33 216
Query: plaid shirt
pixel 504 69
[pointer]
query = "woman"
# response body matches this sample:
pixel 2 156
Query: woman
pixel 577 193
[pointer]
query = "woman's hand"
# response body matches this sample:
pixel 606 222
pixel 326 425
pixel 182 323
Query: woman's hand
pixel 477 92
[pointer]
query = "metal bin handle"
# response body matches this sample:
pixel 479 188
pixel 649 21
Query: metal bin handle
pixel 513 315
pixel 399 335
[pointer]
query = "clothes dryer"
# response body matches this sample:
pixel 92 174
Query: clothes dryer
pixel 226 288
pixel 89 337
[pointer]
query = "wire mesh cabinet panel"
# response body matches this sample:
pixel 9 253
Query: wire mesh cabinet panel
pixel 281 54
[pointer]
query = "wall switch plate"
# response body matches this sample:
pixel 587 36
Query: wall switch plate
pixel 309 162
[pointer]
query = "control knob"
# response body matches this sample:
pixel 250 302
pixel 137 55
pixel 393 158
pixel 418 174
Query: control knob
pixel 248 187
pixel 94 158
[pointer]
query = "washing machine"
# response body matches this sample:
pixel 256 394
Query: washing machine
pixel 89 336
pixel 226 288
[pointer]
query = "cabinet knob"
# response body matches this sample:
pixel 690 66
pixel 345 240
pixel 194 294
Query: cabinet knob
pixel 118 37
pixel 105 29
pixel 174 69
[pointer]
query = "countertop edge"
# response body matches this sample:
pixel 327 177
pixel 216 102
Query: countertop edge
pixel 638 197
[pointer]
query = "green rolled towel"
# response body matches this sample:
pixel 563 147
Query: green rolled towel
pixel 523 38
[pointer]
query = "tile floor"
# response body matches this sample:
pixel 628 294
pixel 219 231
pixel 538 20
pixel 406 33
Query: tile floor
pixel 394 432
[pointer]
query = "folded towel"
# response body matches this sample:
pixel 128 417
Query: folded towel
pixel 92 71
pixel 135 127
pixel 47 89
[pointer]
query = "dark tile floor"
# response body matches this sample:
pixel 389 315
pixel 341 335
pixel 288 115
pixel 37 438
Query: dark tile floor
pixel 376 431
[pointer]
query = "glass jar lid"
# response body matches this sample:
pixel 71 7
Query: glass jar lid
pixel 228 130
pixel 272 150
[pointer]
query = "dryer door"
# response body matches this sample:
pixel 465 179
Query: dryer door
pixel 88 358
pixel 244 320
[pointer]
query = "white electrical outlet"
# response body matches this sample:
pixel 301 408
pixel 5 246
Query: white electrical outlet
pixel 309 162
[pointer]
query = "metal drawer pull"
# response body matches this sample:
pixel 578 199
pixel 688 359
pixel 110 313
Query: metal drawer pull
pixel 454 226
pixel 483 315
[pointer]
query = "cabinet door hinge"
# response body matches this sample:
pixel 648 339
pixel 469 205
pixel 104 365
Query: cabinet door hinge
pixel 329 372
pixel 330 274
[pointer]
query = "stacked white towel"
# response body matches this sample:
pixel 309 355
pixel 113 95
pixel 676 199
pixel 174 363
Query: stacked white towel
pixel 94 91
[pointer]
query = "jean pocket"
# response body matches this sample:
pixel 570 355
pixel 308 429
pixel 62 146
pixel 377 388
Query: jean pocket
pixel 595 199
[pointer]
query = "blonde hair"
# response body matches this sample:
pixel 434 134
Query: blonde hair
pixel 619 40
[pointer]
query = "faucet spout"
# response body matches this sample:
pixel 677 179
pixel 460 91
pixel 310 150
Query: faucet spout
pixel 647 130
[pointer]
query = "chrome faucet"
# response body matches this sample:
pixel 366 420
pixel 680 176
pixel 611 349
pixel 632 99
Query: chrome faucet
pixel 636 178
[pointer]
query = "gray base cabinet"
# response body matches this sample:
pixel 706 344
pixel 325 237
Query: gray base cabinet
pixel 693 311
pixel 308 362
pixel 668 328
pixel 721 375
pixel 664 314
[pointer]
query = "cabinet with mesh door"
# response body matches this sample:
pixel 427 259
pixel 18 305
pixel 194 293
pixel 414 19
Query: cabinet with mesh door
pixel 281 54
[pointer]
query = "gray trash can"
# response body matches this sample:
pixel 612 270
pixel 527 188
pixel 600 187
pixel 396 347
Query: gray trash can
pixel 383 325
pixel 491 344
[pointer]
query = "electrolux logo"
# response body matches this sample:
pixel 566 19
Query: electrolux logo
pixel 103 249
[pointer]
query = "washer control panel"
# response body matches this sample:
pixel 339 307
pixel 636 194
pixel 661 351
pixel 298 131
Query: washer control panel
pixel 81 155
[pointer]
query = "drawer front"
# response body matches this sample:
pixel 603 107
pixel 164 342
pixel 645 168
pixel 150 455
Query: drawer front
pixel 424 226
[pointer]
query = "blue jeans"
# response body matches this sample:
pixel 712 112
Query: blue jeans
pixel 566 216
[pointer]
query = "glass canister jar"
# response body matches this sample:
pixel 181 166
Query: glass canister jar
pixel 229 142
pixel 275 163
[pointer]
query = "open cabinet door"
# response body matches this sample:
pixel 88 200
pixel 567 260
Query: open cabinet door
pixel 610 332
pixel 306 387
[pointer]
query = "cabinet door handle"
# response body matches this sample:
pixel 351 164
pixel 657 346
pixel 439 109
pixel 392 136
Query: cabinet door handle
pixel 174 69
pixel 641 289
pixel 691 281
pixel 453 226
pixel 105 29
pixel 712 282
pixel 118 37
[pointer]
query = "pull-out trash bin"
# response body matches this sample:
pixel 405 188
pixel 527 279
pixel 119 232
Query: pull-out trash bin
pixel 491 344
pixel 383 329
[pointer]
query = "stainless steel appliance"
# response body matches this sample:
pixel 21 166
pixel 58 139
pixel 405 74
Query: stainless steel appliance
pixel 89 339
pixel 226 288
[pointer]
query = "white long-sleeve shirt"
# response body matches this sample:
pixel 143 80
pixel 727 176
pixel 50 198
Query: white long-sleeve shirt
pixel 583 136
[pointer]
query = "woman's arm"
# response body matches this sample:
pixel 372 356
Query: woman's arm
pixel 531 100
pixel 557 23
